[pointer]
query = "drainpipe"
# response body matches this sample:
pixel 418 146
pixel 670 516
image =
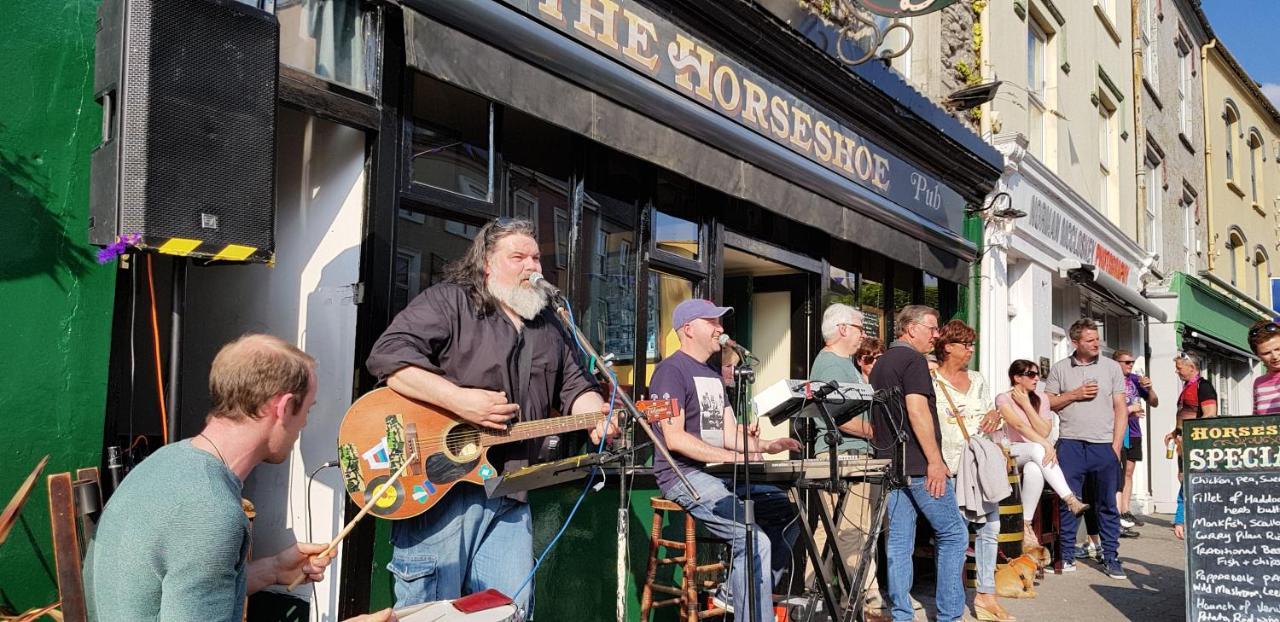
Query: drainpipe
pixel 1139 130
pixel 1208 160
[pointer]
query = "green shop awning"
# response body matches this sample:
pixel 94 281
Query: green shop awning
pixel 1211 312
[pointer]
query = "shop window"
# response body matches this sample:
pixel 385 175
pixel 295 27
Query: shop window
pixel 337 40
pixel 905 281
pixel 932 293
pixel 425 242
pixel 538 160
pixel 842 287
pixel 451 139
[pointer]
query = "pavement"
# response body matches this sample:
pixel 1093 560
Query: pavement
pixel 1153 592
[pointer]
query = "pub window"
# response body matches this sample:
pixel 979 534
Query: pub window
pixel 336 40
pixel 538 170
pixel 871 294
pixel 451 139
pixel 616 188
pixel 665 292
pixel 933 294
pixel 905 282
pixel 679 207
pixel 425 242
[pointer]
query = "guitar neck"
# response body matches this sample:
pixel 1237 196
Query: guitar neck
pixel 540 428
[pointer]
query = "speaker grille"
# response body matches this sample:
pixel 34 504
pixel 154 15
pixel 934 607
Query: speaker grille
pixel 197 141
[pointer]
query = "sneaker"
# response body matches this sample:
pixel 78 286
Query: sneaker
pixel 1068 566
pixel 1129 532
pixel 1088 551
pixel 1114 570
pixel 1133 520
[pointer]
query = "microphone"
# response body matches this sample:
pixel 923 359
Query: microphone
pixel 726 340
pixel 537 280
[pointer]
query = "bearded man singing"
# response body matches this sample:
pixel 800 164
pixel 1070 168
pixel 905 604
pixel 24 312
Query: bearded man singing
pixel 484 346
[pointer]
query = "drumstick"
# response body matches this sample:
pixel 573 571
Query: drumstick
pixel 368 505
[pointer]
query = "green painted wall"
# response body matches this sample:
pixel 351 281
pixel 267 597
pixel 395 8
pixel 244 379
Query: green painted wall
pixel 56 300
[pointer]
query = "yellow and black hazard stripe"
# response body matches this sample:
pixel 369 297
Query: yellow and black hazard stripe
pixel 200 249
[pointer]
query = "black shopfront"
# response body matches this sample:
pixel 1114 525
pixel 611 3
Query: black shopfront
pixel 663 151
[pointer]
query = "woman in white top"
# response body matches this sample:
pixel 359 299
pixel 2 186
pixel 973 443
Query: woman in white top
pixel 1028 426
pixel 955 384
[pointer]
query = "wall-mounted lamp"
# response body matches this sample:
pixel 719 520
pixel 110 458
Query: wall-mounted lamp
pixel 973 96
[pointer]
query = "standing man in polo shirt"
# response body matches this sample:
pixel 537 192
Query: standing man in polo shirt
pixel 1088 393
pixel 929 490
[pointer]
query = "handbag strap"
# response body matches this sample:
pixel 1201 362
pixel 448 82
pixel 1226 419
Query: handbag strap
pixel 954 411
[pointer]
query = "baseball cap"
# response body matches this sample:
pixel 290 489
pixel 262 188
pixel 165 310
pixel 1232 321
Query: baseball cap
pixel 695 308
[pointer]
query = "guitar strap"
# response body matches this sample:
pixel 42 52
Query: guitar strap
pixel 523 365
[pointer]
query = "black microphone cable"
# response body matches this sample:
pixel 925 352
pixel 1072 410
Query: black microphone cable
pixel 313 612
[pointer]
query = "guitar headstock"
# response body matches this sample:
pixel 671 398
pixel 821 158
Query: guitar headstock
pixel 658 410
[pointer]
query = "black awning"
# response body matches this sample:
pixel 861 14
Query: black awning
pixel 662 128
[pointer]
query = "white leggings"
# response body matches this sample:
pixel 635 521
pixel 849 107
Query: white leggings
pixel 1030 458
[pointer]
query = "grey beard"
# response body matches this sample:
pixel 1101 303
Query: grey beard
pixel 526 301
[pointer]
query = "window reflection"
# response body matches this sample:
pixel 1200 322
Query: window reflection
pixel 614 192
pixel 932 294
pixel 424 244
pixel 450 138
pixel 332 39
pixel 675 235
pixel 539 172
pixel 665 292
pixel 871 295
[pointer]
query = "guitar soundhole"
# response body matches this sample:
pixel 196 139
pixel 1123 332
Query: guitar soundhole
pixel 462 442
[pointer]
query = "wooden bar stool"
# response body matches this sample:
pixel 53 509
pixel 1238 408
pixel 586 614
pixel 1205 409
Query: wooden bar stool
pixel 686 595
pixel 1047 523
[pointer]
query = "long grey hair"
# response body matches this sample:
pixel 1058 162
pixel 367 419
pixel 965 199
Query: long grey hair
pixel 468 270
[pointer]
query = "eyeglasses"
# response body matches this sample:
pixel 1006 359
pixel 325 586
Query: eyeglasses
pixel 853 326
pixel 964 344
pixel 1270 327
pixel 932 329
pixel 869 358
pixel 1128 362
pixel 1030 373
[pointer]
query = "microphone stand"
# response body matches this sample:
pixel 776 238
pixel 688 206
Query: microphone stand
pixel 744 375
pixel 562 312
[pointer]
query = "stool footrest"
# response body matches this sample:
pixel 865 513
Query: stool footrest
pixel 712 613
pixel 716 567
pixel 667 561
pixel 671 544
pixel 667 589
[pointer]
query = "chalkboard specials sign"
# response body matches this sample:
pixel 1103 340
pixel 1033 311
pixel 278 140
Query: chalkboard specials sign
pixel 1232 492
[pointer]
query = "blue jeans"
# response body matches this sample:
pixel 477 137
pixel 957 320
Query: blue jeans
pixel 720 511
pixel 943 513
pixel 1079 459
pixel 984 552
pixel 464 544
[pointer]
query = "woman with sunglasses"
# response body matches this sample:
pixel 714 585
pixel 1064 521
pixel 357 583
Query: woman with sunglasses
pixel 868 352
pixel 1264 338
pixel 1028 426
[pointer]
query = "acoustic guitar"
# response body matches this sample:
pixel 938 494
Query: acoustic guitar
pixel 383 429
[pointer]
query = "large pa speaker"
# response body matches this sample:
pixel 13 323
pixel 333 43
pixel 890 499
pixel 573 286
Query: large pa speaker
pixel 187 159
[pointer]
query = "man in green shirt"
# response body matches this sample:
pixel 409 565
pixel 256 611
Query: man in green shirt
pixel 173 542
pixel 842 334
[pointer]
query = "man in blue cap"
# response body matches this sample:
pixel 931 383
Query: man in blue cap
pixel 706 431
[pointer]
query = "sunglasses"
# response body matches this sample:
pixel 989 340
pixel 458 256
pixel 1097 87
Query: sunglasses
pixel 1126 362
pixel 1269 328
pixel 869 358
pixel 1030 374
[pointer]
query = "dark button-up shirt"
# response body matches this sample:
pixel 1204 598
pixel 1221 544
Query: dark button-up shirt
pixel 442 332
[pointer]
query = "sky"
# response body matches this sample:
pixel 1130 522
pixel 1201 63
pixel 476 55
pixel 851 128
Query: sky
pixel 1248 28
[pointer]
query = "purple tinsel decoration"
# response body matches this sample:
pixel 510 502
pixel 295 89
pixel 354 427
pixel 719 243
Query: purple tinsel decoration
pixel 118 248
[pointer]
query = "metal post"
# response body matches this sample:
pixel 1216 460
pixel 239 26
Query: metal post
pixel 175 346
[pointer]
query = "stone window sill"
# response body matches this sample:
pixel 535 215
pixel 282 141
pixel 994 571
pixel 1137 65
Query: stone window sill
pixel 1231 184
pixel 1106 21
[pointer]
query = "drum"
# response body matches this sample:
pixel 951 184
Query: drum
pixel 1009 542
pixel 443 611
